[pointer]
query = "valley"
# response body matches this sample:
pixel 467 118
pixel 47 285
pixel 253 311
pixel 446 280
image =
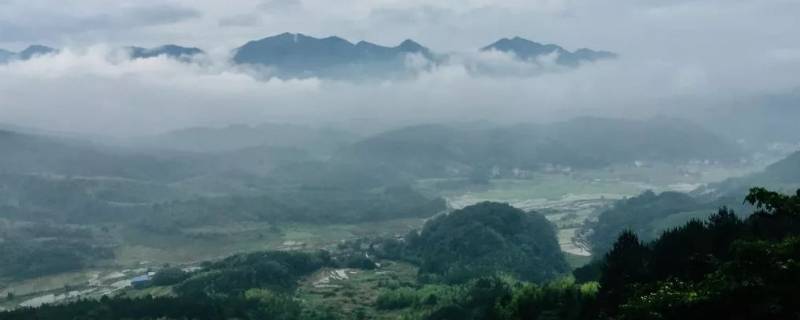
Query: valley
pixel 567 199
pixel 399 160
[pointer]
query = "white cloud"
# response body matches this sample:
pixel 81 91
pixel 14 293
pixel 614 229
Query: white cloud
pixel 98 90
pixel 676 55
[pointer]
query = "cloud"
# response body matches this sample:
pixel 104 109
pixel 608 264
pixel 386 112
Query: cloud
pixel 36 22
pixel 676 56
pixel 242 20
pixel 280 6
pixel 98 90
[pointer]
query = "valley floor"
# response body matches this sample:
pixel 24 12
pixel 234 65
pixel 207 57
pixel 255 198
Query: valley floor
pixel 567 199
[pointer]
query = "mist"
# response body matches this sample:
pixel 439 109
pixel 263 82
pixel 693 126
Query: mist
pixel 99 90
pixel 362 159
pixel 91 87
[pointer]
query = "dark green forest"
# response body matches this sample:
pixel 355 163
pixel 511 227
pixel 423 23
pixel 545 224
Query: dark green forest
pixel 487 238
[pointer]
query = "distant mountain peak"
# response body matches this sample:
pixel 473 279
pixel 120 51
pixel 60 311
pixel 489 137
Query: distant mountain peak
pixel 363 43
pixel 529 50
pixel 35 50
pixel 333 38
pixel 169 50
pixel 298 55
pixel 411 46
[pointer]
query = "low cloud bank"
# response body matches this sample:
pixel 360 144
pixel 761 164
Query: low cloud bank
pixel 100 90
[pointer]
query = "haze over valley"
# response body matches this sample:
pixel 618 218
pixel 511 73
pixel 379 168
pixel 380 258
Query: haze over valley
pixel 296 159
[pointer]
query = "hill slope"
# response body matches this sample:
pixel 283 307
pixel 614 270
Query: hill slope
pixel 487 238
pixel 440 150
pixel 24 153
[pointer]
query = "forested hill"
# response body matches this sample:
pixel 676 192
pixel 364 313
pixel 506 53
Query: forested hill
pixel 25 153
pixel 235 137
pixel 488 238
pixel 783 175
pixel 648 214
pixel 437 149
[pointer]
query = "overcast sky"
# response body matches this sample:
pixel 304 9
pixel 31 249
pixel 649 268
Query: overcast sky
pixel 683 27
pixel 671 49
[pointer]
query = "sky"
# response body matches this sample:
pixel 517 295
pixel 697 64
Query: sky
pixel 675 55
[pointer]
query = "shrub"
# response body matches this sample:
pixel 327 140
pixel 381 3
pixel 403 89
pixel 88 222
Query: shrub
pixel 396 299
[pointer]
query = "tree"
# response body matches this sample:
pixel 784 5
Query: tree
pixel 625 265
pixel 169 276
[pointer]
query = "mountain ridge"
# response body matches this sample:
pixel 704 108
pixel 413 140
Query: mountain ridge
pixel 168 50
pixel 528 50
pixel 297 55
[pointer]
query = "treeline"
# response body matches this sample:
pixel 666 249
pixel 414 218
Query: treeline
pixel 649 214
pixel 35 249
pixel 728 267
pixel 638 214
pixel 275 270
pixel 309 205
pixel 490 297
pixel 252 305
pixel 245 286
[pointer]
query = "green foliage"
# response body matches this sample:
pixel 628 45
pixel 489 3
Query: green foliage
pixel 758 281
pixel 773 202
pixel 589 272
pixel 488 238
pixel 310 205
pixel 36 249
pixel 497 298
pixel 396 299
pixel 254 307
pixel 271 305
pixel 473 300
pixel 725 266
pixel 664 300
pixel 636 214
pixel 169 276
pixel 246 286
pixel 556 300
pixel 278 270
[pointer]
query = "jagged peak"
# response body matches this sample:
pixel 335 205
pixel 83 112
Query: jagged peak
pixel 411 45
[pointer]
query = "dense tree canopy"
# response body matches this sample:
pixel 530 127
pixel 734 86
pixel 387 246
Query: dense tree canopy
pixel 487 238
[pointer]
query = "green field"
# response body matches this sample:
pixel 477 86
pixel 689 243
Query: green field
pixel 356 292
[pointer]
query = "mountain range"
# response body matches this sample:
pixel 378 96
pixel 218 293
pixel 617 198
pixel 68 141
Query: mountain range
pixel 170 50
pixel 529 50
pixel 437 150
pixel 295 55
pixel 28 53
pixel 300 55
